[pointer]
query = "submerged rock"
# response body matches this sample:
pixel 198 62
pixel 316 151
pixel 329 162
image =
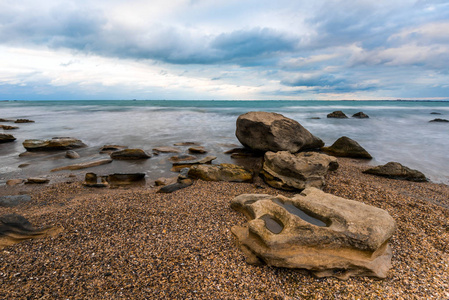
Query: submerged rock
pixel 130 154
pixel 6 138
pixel 197 150
pixel 186 144
pixel 222 172
pixel 397 171
pixel 85 165
pixel 7 127
pixel 284 170
pixel 264 131
pixel 346 147
pixel 56 143
pixel 360 115
pixel 15 228
pixel 320 232
pixel 23 121
pixel 439 121
pixel 108 149
pixel 166 149
pixel 72 154
pixel 337 114
pixel 179 158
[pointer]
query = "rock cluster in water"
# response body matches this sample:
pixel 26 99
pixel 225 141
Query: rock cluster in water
pixel 323 233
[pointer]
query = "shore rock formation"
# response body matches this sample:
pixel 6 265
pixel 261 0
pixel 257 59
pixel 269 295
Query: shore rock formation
pixel 56 143
pixel 337 114
pixel 346 147
pixel 287 171
pixel 130 154
pixel 222 172
pixel 6 138
pixel 360 115
pixel 265 131
pixel 439 121
pixel 397 171
pixel 320 232
pixel 85 165
pixel 15 228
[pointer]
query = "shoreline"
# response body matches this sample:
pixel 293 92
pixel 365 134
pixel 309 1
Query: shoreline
pixel 133 242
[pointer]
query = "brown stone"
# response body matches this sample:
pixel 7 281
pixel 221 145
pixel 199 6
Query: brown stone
pixel 397 171
pixel 166 149
pixel 346 147
pixel 6 138
pixel 323 233
pixel 56 143
pixel 197 150
pixel 85 165
pixel 264 131
pixel 288 171
pixel 130 154
pixel 222 172
pixel 337 114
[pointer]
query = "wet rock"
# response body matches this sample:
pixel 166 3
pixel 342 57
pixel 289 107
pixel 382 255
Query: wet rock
pixel 397 171
pixel 23 121
pixel 337 114
pixel 108 149
pixel 24 165
pixel 126 178
pixel 439 121
pixel 187 144
pixel 37 180
pixel 165 181
pixel 180 184
pixel 6 138
pixel 197 150
pixel 435 113
pixel 360 115
pixel 56 143
pixel 14 200
pixel 13 182
pixel 85 165
pixel 241 153
pixel 346 147
pixel 15 228
pixel 92 180
pixel 284 170
pixel 179 158
pixel 222 172
pixel 130 154
pixel 6 120
pixel 323 233
pixel 264 131
pixel 7 127
pixel 167 150
pixel 72 154
pixel 177 166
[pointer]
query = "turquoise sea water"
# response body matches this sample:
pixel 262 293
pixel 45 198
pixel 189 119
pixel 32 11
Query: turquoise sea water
pixel 396 130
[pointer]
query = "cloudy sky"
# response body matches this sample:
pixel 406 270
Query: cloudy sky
pixel 224 49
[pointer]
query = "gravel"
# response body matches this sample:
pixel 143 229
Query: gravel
pixel 134 243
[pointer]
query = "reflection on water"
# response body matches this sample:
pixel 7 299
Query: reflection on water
pixel 300 213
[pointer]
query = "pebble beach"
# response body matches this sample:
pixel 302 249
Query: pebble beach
pixel 134 243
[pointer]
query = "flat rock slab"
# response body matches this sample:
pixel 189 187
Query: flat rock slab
pixel 56 143
pixel 180 184
pixel 111 148
pixel 397 171
pixel 177 166
pixel 222 172
pixel 167 149
pixel 346 147
pixel 37 180
pixel 352 240
pixel 15 228
pixel 14 200
pixel 179 158
pixel 85 165
pixel 197 150
pixel 265 131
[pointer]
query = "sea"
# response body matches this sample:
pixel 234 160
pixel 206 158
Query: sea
pixel 397 131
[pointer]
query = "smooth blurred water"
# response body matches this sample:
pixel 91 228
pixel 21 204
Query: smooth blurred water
pixel 396 130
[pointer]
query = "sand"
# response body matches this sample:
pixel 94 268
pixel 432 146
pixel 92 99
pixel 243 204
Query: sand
pixel 133 243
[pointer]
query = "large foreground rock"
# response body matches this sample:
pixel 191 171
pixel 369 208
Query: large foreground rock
pixel 288 171
pixel 323 233
pixel 56 143
pixel 6 138
pixel 264 131
pixel 222 172
pixel 346 147
pixel 397 171
pixel 15 228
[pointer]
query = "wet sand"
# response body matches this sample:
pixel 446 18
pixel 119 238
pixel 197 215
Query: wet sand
pixel 135 243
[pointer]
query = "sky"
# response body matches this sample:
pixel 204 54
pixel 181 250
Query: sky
pixel 224 49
